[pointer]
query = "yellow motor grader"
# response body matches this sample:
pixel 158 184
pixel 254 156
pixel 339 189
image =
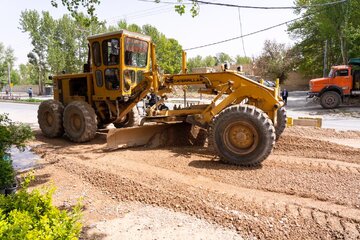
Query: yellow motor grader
pixel 241 122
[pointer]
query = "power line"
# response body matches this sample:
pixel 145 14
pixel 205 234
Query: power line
pixel 241 33
pixel 246 35
pixel 145 10
pixel 143 13
pixel 160 11
pixel 256 7
pixel 252 7
pixel 253 33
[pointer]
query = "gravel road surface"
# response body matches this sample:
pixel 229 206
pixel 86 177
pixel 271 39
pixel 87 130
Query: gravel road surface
pixel 307 188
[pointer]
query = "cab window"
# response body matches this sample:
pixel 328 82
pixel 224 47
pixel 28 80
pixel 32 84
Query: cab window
pixel 139 76
pixel 129 79
pixel 96 54
pixel 342 73
pixel 112 80
pixel 136 52
pixel 111 51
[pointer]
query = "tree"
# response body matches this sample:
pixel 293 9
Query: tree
pixel 195 62
pixel 90 5
pixel 222 58
pixel 40 32
pixel 28 74
pixel 337 25
pixel 209 61
pixel 73 7
pixel 58 44
pixel 34 60
pixel 275 61
pixel 198 61
pixel 14 76
pixel 7 60
pixel 242 60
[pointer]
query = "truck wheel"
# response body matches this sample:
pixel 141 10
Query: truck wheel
pixel 330 100
pixel 131 119
pixel 80 121
pixel 242 135
pixel 281 122
pixel 50 118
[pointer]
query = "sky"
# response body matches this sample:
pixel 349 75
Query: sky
pixel 214 23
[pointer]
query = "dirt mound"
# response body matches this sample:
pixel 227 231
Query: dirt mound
pixel 316 148
pixel 309 132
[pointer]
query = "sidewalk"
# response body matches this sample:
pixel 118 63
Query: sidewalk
pixel 22 95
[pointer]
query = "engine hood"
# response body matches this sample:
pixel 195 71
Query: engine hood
pixel 317 84
pixel 319 80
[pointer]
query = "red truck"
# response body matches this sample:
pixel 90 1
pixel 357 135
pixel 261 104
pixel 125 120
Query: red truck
pixel 342 84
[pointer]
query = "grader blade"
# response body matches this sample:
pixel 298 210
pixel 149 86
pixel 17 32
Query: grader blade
pixel 159 135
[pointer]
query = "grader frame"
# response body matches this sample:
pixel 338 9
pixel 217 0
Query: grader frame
pixel 241 134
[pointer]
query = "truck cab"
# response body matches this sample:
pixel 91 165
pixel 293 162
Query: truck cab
pixel 342 82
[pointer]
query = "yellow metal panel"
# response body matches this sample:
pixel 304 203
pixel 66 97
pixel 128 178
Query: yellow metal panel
pixel 65 91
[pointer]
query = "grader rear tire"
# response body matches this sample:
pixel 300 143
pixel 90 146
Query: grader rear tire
pixel 50 114
pixel 242 135
pixel 131 119
pixel 80 121
pixel 281 122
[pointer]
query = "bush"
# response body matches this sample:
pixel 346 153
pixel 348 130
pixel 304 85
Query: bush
pixel 12 134
pixel 7 173
pixel 31 215
pixel 31 100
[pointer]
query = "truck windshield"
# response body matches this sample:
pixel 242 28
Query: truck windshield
pixel 136 52
pixel 331 73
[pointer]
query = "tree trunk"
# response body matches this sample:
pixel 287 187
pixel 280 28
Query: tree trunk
pixel 39 75
pixel 343 49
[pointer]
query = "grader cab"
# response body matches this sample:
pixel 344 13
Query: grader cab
pixel 241 121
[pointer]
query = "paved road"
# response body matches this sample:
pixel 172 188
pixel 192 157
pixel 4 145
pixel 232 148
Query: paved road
pixel 343 118
pixel 20 112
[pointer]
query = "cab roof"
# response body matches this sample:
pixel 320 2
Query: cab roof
pixel 120 32
pixel 340 66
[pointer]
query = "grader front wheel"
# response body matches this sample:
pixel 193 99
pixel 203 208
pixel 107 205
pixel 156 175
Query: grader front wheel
pixel 242 135
pixel 80 121
pixel 130 120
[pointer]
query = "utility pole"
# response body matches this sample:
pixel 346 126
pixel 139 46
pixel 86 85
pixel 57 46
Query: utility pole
pixel 325 59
